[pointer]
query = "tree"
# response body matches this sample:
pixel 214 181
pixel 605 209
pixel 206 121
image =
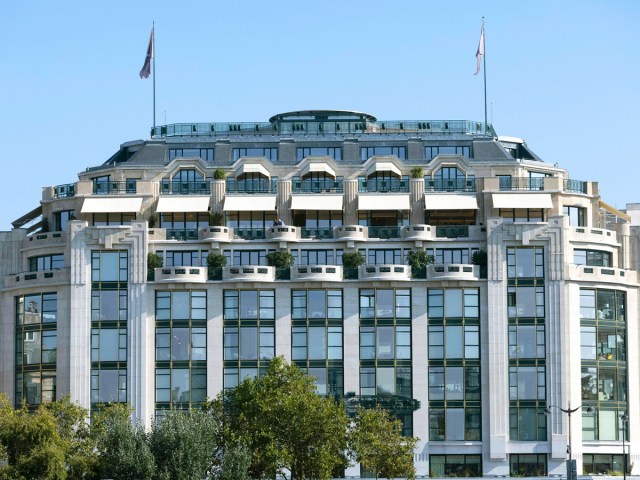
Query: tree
pixel 285 424
pixel 235 463
pixel 281 259
pixel 377 443
pixel 122 445
pixel 185 444
pixel 419 259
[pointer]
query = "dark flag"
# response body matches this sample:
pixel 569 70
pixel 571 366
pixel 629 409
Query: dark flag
pixel 146 68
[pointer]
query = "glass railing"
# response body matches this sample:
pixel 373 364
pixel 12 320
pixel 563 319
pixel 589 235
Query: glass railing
pixel 535 183
pixel 452 231
pixel 455 185
pixel 185 188
pixel 384 232
pixel 182 233
pixel 252 186
pixel 575 186
pixel 63 191
pixel 383 186
pixel 114 188
pixel 249 233
pixel 317 186
pixel 317 233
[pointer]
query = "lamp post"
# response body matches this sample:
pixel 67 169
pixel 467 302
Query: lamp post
pixel 625 419
pixel 569 411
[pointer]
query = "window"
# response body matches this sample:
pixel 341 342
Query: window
pixel 183 226
pixel 367 152
pixel 184 258
pixel 316 337
pixel 432 151
pixel 46 262
pixel 113 218
pixel 317 257
pixel 520 215
pixel 206 154
pixel 453 255
pixel 386 256
pixel 525 262
pixel 181 353
pixel 36 348
pixel 441 466
pixel 61 219
pixel 595 258
pixel 249 333
pixel 527 422
pixel 333 152
pixel 603 464
pixel 186 182
pixel 576 216
pixel 109 266
pixel 528 465
pixel 450 179
pixel 268 153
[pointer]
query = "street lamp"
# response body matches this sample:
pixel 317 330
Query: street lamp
pixel 625 419
pixel 569 411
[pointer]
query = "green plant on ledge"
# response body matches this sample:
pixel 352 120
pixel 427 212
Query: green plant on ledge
pixel 418 260
pixel 153 261
pixel 281 259
pixel 417 172
pixel 219 174
pixel 216 219
pixel 152 221
pixel 479 257
pixel 216 260
pixel 350 262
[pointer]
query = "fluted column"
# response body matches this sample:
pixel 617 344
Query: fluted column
pixel 350 202
pixel 284 202
pixel 218 190
pixel 416 197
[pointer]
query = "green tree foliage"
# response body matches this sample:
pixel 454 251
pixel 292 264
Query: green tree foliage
pixel 122 445
pixel 285 424
pixel 419 259
pixel 280 259
pixel 352 260
pixel 235 463
pixel 185 444
pixel 216 260
pixel 377 443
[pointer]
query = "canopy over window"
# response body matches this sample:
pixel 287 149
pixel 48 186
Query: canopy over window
pixel 109 205
pixel 316 202
pixel 383 202
pixel 186 203
pixel 450 202
pixel 318 168
pixel 248 203
pixel 522 200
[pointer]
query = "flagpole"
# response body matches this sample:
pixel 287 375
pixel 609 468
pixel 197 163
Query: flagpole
pixel 153 51
pixel 484 61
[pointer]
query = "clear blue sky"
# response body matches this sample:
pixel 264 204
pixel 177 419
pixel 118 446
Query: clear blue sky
pixel 563 75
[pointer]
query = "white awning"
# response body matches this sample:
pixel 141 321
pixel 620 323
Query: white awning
pixel 248 203
pixel 383 167
pixel 111 204
pixel 522 200
pixel 383 201
pixel 316 202
pixel 450 202
pixel 186 203
pixel 252 168
pixel 318 167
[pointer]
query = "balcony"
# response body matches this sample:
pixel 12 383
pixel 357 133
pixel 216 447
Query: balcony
pixel 589 273
pixel 452 231
pixel 44 239
pixel 249 274
pixel 311 185
pixel 38 279
pixel 575 186
pixel 316 233
pixel 384 272
pixel 181 274
pixel 384 232
pixel 262 185
pixel 317 273
pixel 453 185
pixel 350 233
pixel 249 233
pixel 383 186
pixel 283 233
pixel 453 271
pixel 417 232
pixel 64 191
pixel 114 188
pixel 516 183
pixel 182 234
pixel 216 234
pixel 594 235
pixel 185 188
pixel 157 234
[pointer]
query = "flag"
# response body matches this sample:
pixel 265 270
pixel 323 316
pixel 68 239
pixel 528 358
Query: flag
pixel 479 53
pixel 146 68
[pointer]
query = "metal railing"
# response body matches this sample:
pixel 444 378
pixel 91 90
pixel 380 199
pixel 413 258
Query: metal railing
pixel 250 233
pixel 575 186
pixel 311 185
pixel 185 188
pixel 452 231
pixel 384 232
pixel 317 233
pixel 64 191
pixel 182 233
pixel 114 187
pixel 267 185
pixel 535 183
pixel 383 186
pixel 454 185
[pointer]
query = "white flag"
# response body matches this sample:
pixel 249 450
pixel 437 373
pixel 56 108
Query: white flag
pixel 480 52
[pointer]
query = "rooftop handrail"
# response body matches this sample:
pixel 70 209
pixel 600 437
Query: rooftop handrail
pixel 114 187
pixel 575 186
pixel 517 183
pixel 64 191
pixel 314 185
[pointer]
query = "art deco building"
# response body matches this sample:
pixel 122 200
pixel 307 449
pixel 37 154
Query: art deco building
pixel 529 306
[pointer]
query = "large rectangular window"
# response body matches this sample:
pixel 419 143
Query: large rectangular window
pixel 366 152
pixel 46 262
pixel 595 258
pixel 441 466
pixel 268 153
pixel 249 333
pixel 528 465
pixel 36 348
pixel 333 152
pixel 181 348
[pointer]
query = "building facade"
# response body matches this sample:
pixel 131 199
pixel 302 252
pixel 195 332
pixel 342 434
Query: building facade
pixel 528 303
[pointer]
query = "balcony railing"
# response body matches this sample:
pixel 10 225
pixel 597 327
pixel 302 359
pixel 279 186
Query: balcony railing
pixel 250 233
pixel 185 188
pixel 455 185
pixel 384 232
pixel 383 186
pixel 311 185
pixel 452 231
pixel 64 191
pixel 317 233
pixel 114 188
pixel 266 185
pixel 182 234
pixel 575 186
pixel 534 183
